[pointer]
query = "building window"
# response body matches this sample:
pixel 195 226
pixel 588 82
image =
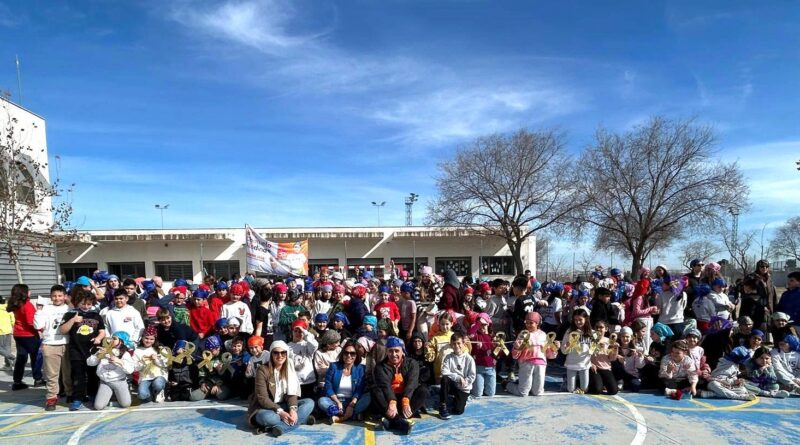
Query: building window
pixel 172 270
pixel 221 269
pixel 358 265
pixel 408 263
pixel 127 270
pixel 71 271
pixel 316 265
pixel 497 265
pixel 461 265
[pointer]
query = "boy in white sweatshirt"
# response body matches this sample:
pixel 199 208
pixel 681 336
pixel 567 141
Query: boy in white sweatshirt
pixel 54 345
pixel 458 375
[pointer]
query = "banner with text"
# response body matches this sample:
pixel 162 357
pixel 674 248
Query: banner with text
pixel 284 259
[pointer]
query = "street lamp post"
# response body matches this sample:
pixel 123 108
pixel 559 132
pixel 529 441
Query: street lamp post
pixel 410 200
pixel 162 208
pixel 382 203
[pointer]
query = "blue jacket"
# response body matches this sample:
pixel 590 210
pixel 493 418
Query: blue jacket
pixel 790 304
pixel 334 376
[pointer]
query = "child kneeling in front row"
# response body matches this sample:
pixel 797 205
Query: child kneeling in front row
pixel 113 370
pixel 458 375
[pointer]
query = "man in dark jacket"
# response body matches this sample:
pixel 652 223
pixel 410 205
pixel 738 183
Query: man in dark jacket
pixel 397 380
pixel 696 270
pixel 169 332
pixel 601 307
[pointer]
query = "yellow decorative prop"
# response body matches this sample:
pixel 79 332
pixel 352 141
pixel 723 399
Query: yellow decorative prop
pixel 430 352
pixel 107 348
pixel 499 343
pixel 573 344
pixel 612 342
pixel 206 363
pixel 150 366
pixel 550 346
pixel 167 354
pixel 227 358
pixel 185 354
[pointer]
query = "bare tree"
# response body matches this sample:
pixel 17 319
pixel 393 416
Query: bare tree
pixel 509 186
pixel 786 241
pixel 586 264
pixel 653 185
pixel 741 249
pixel 702 249
pixel 33 211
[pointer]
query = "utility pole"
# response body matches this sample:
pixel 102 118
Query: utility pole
pixel 162 208
pixel 382 203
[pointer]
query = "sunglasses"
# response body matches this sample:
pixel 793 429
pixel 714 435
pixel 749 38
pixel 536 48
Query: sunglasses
pixel 280 353
pixel 349 353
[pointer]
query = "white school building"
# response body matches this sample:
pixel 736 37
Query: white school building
pixel 193 253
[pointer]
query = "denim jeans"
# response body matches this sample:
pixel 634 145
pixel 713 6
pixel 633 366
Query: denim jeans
pixel 27 347
pixel 150 388
pixel 485 381
pixel 363 403
pixel 268 418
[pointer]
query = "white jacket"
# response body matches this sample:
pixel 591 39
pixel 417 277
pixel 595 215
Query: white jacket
pixel 787 364
pixel 303 356
pixel 671 307
pixel 721 304
pixel 109 372
pixel 48 321
pixel 126 319
pixel 146 371
pixel 240 310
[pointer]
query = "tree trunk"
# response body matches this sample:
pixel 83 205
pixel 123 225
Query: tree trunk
pixel 636 266
pixel 17 268
pixel 516 249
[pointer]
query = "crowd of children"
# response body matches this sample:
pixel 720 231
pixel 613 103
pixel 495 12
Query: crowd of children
pixel 350 347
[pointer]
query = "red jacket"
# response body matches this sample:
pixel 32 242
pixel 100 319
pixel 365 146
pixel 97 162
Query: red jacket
pixel 23 320
pixel 215 303
pixel 202 319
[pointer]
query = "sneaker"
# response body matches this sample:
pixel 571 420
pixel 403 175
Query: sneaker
pixel 385 424
pixel 275 431
pixel 780 394
pixel 578 391
pixel 38 383
pixel 705 394
pixel 311 420
pixel 160 397
pixel 423 410
pixel 50 405
pixel 669 392
pixel 75 405
pixel 405 426
pixel 443 413
pixel 512 377
pixel 19 386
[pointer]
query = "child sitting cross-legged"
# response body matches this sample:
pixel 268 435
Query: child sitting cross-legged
pixel 678 371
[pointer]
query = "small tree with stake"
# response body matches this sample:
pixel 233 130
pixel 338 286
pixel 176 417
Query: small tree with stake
pixel 508 186
pixel 33 212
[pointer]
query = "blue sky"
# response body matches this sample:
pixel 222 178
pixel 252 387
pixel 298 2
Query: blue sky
pixel 278 113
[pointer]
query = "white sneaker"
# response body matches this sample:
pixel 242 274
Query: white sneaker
pixel 706 394
pixel 160 397
pixel 668 392
pixel 780 394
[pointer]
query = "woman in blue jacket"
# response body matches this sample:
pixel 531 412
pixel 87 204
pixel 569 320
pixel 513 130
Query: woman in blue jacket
pixel 344 396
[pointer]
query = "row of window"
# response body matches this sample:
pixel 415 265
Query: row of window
pixel 172 270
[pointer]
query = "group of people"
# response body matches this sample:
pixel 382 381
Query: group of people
pixel 326 347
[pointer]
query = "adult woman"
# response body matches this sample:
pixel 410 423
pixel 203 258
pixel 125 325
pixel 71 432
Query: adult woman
pixel 26 337
pixel 276 406
pixel 397 380
pixel 764 287
pixel 344 396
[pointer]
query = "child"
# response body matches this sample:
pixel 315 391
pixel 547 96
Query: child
pixel 550 309
pixel 779 327
pixel 458 374
pixel 630 359
pixel 177 306
pixel 327 353
pixel 531 352
pixel 113 370
pixel 201 317
pixel 289 314
pixel 724 382
pixel 660 334
pixel 386 307
pixel 54 346
pixel 703 306
pixel 219 298
pixel 320 324
pixel 790 300
pixel 761 377
pixel 755 340
pixel 671 304
pixel 303 346
pixel 262 321
pixel 408 311
pixel 211 381
pixel 416 352
pixel 678 371
pixel 239 360
pixel 239 309
pixel 722 304
pixel 600 374
pixel 152 367
pixel 6 328
pixel 440 344
pixel 751 305
pixel 324 304
pixel 258 357
pixel 340 323
pixel 575 345
pixel 786 358
pixel 483 351
pixel 183 377
pixel 85 329
pixel 696 352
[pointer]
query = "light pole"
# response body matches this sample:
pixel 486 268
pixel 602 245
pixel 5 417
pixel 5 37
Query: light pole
pixel 410 200
pixel 162 208
pixel 382 203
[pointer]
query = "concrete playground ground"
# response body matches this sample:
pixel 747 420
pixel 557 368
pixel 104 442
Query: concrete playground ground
pixel 556 417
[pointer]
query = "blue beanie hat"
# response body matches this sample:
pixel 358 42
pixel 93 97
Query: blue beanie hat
pixel 615 272
pixel 180 282
pixel 148 286
pixel 598 275
pixel 738 355
pixel 394 342
pixel 125 338
pixel 212 343
pixel 68 285
pixel 221 323
pixel 383 289
pixel 693 331
pixel 407 287
pixel 537 285
pixel 340 316
pixel 702 290
pixel 719 282
pixel 100 276
pixel 83 281
pixel 757 333
pixel 367 275
pixel 179 344
pixel 371 320
pixel 321 317
pixel 221 285
pixel 794 343
pixel 200 293
pixel 663 331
